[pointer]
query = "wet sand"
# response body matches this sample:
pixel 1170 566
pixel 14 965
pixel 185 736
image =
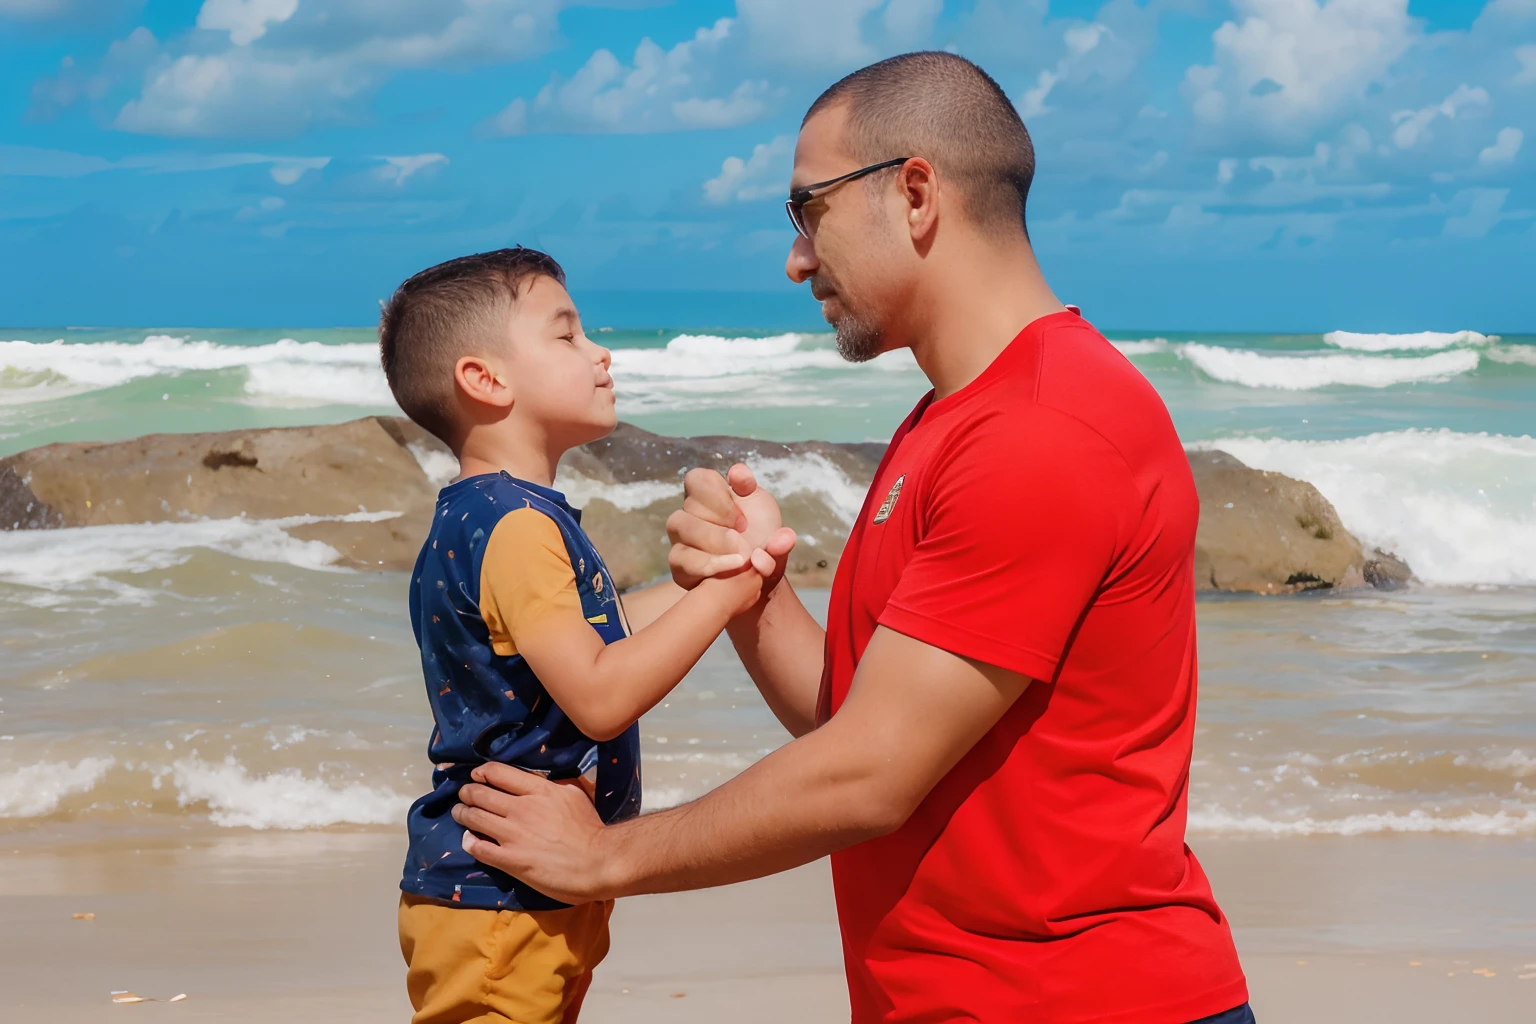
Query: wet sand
pixel 300 927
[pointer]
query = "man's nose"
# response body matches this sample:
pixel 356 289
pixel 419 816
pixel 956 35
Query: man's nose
pixel 801 263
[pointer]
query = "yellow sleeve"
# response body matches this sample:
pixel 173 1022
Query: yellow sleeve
pixel 525 577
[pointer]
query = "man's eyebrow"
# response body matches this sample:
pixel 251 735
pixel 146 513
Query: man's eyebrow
pixel 565 313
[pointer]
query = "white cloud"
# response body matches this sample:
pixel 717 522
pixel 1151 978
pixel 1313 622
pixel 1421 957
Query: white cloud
pixel 808 33
pixel 662 90
pixel 33 8
pixel 726 74
pixel 29 161
pixel 1504 148
pixel 1080 40
pixel 1413 125
pixel 44 10
pixel 1288 65
pixel 245 20
pixel 1484 207
pixel 330 54
pixel 125 59
pixel 240 93
pixel 289 171
pixel 910 22
pixel 762 175
pixel 1526 55
pixel 1031 103
pixel 399 168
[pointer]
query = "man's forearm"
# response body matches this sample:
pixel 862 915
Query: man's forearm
pixel 788 809
pixel 783 648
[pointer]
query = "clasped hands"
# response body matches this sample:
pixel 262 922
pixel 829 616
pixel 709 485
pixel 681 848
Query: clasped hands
pixel 548 834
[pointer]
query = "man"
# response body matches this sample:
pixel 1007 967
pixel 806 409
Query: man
pixel 994 732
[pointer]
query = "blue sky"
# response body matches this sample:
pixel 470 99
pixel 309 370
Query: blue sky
pixel 1203 164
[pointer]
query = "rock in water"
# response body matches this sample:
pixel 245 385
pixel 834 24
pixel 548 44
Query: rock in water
pixel 328 473
pixel 1269 534
pixel 367 488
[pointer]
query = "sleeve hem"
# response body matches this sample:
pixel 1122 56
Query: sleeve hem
pixel 957 639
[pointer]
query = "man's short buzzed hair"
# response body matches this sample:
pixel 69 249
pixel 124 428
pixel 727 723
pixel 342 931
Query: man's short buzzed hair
pixel 446 312
pixel 951 113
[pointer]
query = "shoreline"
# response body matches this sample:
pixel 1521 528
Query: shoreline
pixel 300 927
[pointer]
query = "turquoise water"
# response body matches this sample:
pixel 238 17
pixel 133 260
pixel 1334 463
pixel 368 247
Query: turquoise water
pixel 1422 441
pixel 222 674
pixel 105 384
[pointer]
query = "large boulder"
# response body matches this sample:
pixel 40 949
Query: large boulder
pixel 356 486
pixel 1267 533
pixel 367 489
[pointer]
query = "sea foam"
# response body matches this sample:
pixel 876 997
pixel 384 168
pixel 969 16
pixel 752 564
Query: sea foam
pixel 34 790
pixel 1460 508
pixel 1499 823
pixel 286 799
pixel 700 371
pixel 1394 342
pixel 89 557
pixel 283 371
pixel 1308 372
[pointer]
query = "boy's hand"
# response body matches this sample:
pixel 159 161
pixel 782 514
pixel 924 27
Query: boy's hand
pixel 741 590
pixel 723 524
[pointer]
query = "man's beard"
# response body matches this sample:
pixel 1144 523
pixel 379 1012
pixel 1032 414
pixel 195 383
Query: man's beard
pixel 859 338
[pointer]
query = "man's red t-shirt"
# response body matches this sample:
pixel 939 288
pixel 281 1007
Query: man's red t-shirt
pixel 1042 519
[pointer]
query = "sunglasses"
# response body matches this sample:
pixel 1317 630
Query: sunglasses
pixel 800 196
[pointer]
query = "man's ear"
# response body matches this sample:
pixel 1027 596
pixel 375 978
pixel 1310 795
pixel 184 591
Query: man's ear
pixel 919 186
pixel 483 380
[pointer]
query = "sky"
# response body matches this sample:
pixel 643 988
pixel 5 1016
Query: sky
pixel 1265 165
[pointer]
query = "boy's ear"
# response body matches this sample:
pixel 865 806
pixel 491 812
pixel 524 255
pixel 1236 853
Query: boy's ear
pixel 483 380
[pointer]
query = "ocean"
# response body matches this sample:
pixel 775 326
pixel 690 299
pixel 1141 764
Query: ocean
pixel 196 678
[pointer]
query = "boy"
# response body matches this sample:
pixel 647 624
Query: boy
pixel 528 656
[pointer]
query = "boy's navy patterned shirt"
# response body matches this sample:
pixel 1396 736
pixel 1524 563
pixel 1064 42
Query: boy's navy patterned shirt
pixel 489 706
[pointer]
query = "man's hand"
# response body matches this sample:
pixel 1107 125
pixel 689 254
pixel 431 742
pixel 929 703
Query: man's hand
pixel 543 833
pixel 831 788
pixel 722 521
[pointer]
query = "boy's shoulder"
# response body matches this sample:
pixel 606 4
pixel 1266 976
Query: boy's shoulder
pixel 469 511
pixel 482 501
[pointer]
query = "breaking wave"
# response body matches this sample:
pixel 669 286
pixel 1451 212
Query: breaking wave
pixel 1461 508
pixel 1500 823
pixel 285 799
pixel 1308 372
pixel 89 557
pixel 285 370
pixel 1412 342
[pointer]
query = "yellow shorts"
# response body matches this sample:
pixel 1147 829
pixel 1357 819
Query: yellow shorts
pixel 469 966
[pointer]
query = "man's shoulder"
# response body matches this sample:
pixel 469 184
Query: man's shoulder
pixel 1085 378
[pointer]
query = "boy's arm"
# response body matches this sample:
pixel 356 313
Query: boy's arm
pixel 605 688
pixel 530 604
pixel 643 607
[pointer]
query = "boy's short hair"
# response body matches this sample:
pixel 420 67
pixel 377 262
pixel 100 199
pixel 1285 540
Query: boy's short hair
pixel 441 314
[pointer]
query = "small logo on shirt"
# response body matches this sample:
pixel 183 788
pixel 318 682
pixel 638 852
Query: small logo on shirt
pixel 889 503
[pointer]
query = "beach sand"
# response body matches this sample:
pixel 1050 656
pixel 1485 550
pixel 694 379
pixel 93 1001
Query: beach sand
pixel 300 927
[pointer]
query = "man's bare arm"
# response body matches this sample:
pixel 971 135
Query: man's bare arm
pixel 778 641
pixel 913 712
pixel 783 649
